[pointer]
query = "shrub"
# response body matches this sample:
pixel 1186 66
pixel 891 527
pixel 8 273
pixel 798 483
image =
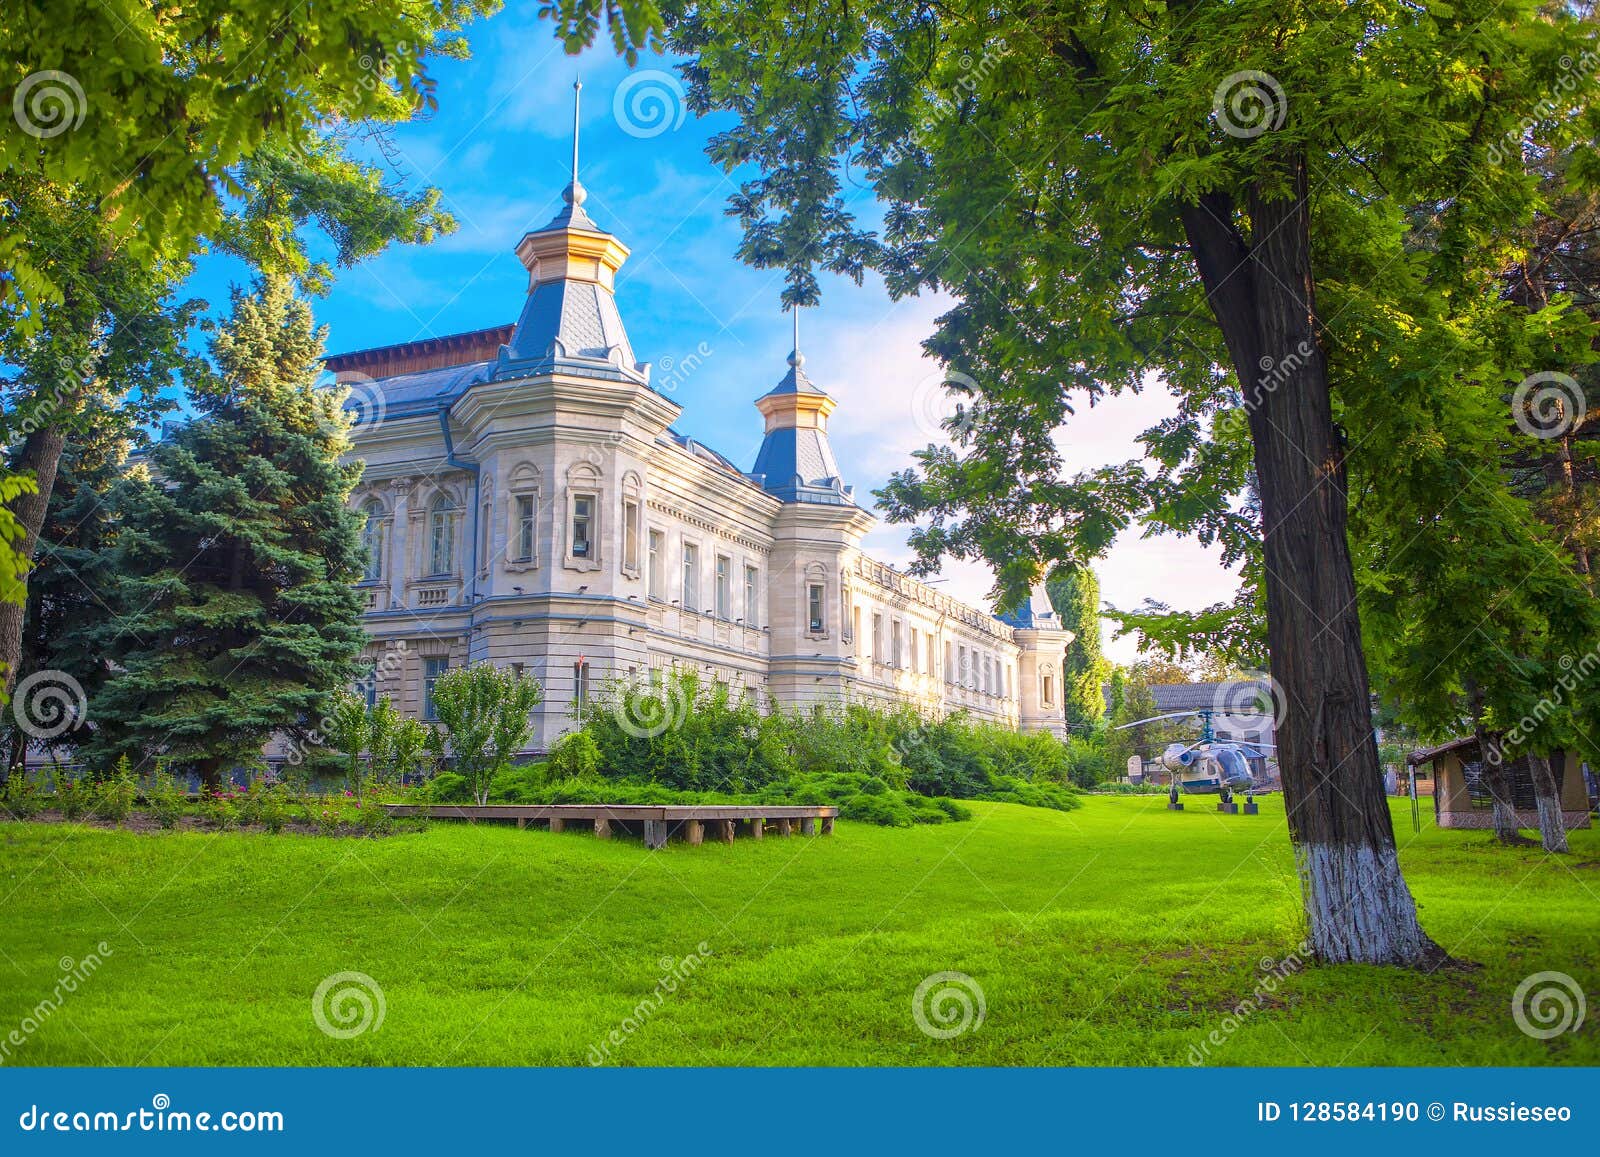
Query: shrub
pixel 217 808
pixel 575 756
pixel 74 794
pixel 165 802
pixel 117 794
pixel 373 819
pixel 21 797
pixel 273 808
pixel 520 784
pixel 486 712
pixel 448 787
pixel 326 818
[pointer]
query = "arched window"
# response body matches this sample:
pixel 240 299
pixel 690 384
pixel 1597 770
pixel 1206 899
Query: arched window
pixel 522 525
pixel 441 536
pixel 374 539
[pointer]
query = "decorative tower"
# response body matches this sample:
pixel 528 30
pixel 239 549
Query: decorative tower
pixel 816 534
pixel 571 313
pixel 561 437
pixel 1041 665
pixel 796 462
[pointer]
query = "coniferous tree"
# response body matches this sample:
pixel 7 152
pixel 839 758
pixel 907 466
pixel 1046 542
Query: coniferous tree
pixel 73 565
pixel 237 615
pixel 1075 596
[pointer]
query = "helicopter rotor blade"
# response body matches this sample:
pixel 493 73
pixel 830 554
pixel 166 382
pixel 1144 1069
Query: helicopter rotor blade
pixel 1158 718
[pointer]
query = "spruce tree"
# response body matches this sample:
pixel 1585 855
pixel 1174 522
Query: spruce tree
pixel 1075 596
pixel 74 565
pixel 237 615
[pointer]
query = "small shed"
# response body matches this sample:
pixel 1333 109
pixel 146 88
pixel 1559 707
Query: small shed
pixel 1462 800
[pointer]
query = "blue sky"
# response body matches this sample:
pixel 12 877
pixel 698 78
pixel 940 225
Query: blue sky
pixel 499 149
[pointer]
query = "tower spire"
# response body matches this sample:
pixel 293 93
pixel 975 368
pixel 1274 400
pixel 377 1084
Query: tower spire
pixel 577 102
pixel 574 194
pixel 796 358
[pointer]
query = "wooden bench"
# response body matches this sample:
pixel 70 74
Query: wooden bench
pixel 656 821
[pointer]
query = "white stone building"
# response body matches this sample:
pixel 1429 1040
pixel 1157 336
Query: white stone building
pixel 529 504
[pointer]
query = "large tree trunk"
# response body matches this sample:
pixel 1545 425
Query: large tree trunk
pixel 1357 905
pixel 1547 794
pixel 41 457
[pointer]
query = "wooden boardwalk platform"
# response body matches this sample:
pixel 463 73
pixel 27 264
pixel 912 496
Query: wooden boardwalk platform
pixel 655 822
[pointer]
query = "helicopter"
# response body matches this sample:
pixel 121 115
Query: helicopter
pixel 1211 766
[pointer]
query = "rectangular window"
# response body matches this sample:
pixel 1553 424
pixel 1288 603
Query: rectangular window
pixel 658 574
pixel 367 685
pixel 913 650
pixel 963 672
pixel 630 536
pixel 814 607
pixel 724 587
pixel 441 552
pixel 949 665
pixel 933 661
pixel 752 596
pixel 580 683
pixel 583 526
pixel 525 528
pixel 894 643
pixel 431 670
pixel 485 537
pixel 372 538
pixel 691 577
pixel 877 638
pixel 1048 691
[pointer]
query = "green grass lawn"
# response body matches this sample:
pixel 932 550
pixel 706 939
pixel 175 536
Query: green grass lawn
pixel 1116 934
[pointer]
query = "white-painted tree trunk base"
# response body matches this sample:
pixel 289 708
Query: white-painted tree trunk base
pixel 1358 906
pixel 1552 828
pixel 1505 821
